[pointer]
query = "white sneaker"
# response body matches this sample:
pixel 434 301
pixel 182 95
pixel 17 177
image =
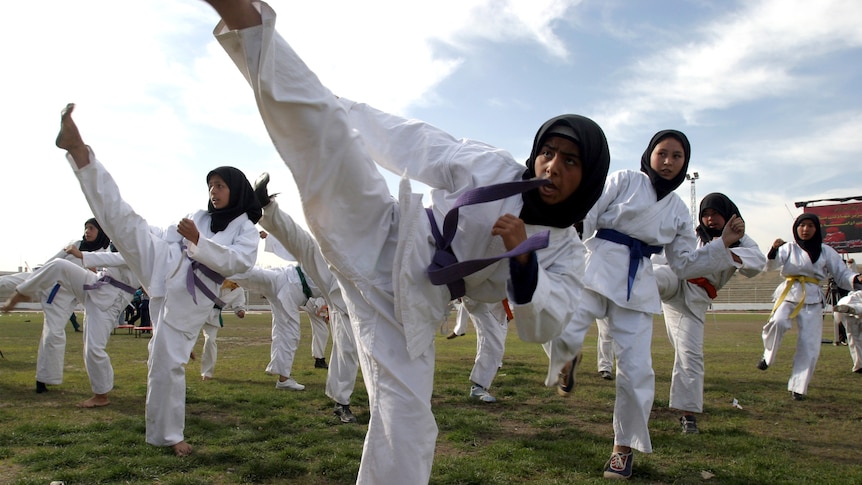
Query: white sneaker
pixel 289 384
pixel 482 394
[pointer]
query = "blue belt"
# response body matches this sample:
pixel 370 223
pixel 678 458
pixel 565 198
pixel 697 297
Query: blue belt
pixel 637 250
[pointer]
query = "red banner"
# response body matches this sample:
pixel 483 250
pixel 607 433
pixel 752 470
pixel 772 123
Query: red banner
pixel 841 224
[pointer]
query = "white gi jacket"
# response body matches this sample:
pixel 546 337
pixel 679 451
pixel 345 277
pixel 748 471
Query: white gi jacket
pixel 226 252
pixel 628 205
pixel 113 265
pixel 461 165
pixel 753 263
pixel 454 167
pixel 794 261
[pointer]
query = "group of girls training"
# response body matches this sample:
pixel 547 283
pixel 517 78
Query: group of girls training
pixel 495 229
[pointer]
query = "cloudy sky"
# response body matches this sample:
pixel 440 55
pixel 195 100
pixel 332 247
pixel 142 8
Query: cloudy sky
pixel 768 92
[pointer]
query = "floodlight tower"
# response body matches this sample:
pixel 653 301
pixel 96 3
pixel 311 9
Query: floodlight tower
pixel 693 177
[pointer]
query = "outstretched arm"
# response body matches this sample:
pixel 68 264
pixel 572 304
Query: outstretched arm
pixel 237 14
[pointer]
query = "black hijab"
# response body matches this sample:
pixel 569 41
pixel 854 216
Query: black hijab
pixel 595 158
pixel 101 242
pixel 814 245
pixel 242 199
pixel 662 186
pixel 724 206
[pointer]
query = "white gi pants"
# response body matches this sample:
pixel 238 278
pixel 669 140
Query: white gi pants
pixel 52 345
pixel 343 359
pixel 604 347
pixel 810 324
pixel 285 332
pixel 210 352
pixel 491 329
pixel 853 325
pixel 685 328
pixel 631 332
pixel 354 218
pixel 462 319
pixel 319 335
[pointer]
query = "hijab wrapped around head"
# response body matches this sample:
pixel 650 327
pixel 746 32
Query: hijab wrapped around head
pixel 719 203
pixel 662 186
pixel 242 199
pixel 101 242
pixel 595 159
pixel 814 245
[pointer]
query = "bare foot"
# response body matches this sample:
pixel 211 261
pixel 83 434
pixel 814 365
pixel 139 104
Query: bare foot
pixel 13 301
pixel 182 449
pixel 69 138
pixel 97 401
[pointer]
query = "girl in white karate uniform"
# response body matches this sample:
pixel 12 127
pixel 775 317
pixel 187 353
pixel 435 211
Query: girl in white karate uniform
pixel 104 294
pixel 685 303
pixel 58 303
pixel 637 215
pixel 290 241
pixel 284 291
pixel 804 263
pixel 380 248
pixel 202 249
pixel 233 298
pixel 489 320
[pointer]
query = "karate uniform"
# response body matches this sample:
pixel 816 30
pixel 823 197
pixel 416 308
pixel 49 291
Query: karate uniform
pixel 792 261
pixel 628 205
pixel 489 319
pixel 162 260
pixel 51 354
pixel 317 316
pixel 102 305
pixel 685 305
pixel 379 248
pixel 234 300
pixel 297 242
pixel 282 288
pixel 853 324
pixel 604 347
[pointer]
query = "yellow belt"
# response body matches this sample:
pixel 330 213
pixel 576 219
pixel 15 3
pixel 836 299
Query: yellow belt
pixel 790 280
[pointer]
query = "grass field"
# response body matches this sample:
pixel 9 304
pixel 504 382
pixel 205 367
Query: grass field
pixel 245 431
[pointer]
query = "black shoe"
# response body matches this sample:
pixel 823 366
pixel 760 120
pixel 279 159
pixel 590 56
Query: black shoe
pixel 689 424
pixel 796 396
pixel 260 192
pixel 344 414
pixel 320 363
pixel 41 387
pixel 762 365
pixel 606 375
pixel 566 379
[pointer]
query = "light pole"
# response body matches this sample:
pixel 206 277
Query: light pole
pixel 693 177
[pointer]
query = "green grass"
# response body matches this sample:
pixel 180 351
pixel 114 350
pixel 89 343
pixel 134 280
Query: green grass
pixel 245 431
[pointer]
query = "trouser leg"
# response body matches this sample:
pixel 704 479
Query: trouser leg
pixel 635 383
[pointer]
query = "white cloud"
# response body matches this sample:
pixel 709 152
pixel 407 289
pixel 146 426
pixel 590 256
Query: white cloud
pixel 743 56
